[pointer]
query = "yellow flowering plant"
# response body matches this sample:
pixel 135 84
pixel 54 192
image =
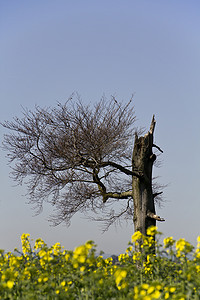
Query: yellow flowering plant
pixel 42 272
pixel 183 248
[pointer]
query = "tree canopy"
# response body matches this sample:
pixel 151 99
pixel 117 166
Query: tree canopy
pixel 77 157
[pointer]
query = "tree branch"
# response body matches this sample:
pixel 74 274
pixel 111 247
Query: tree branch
pixel 157 194
pixel 153 216
pixel 111 217
pixel 158 148
pixel 102 189
pixel 121 168
pixel 152 126
pixel 123 195
pixel 101 186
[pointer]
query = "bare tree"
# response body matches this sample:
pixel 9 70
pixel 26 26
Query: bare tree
pixel 81 158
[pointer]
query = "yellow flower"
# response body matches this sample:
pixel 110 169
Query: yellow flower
pixel 143 293
pixel 82 269
pixel 10 284
pixel 136 236
pixel 39 243
pixel 156 295
pixel 183 247
pixel 25 240
pixel 169 241
pixel 80 253
pixel 180 244
pixel 159 287
pixel 152 230
pixel 197 254
pixel 82 259
pixel 25 236
pixel 13 261
pixel 3 277
pixel 166 295
pixel 136 256
pixel 42 253
pixel 63 283
pixel 136 291
pixel 27 273
pixel 75 265
pixel 198 269
pixel 89 245
pixel 67 256
pixel 150 290
pixel 108 261
pixel 148 241
pixel 56 248
pixel 122 286
pixel 119 275
pixel 145 286
pixel 79 250
pixel 122 257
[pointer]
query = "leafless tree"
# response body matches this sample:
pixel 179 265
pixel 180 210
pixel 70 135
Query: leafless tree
pixel 81 159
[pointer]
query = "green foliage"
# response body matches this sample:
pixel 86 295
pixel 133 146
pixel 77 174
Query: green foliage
pixel 168 271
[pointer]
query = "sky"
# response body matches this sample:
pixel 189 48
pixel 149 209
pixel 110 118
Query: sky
pixel 50 49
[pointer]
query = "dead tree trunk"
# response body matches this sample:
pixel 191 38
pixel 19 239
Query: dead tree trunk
pixel 142 162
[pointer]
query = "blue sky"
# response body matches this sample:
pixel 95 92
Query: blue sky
pixel 49 49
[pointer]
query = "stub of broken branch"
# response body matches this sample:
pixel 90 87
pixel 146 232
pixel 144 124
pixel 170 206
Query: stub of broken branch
pixel 152 126
pixel 158 148
pixel 157 194
pixel 156 217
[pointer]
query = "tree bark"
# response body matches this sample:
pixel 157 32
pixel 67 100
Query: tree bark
pixel 142 162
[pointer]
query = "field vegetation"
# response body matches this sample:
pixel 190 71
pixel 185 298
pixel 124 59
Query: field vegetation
pixel 160 270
